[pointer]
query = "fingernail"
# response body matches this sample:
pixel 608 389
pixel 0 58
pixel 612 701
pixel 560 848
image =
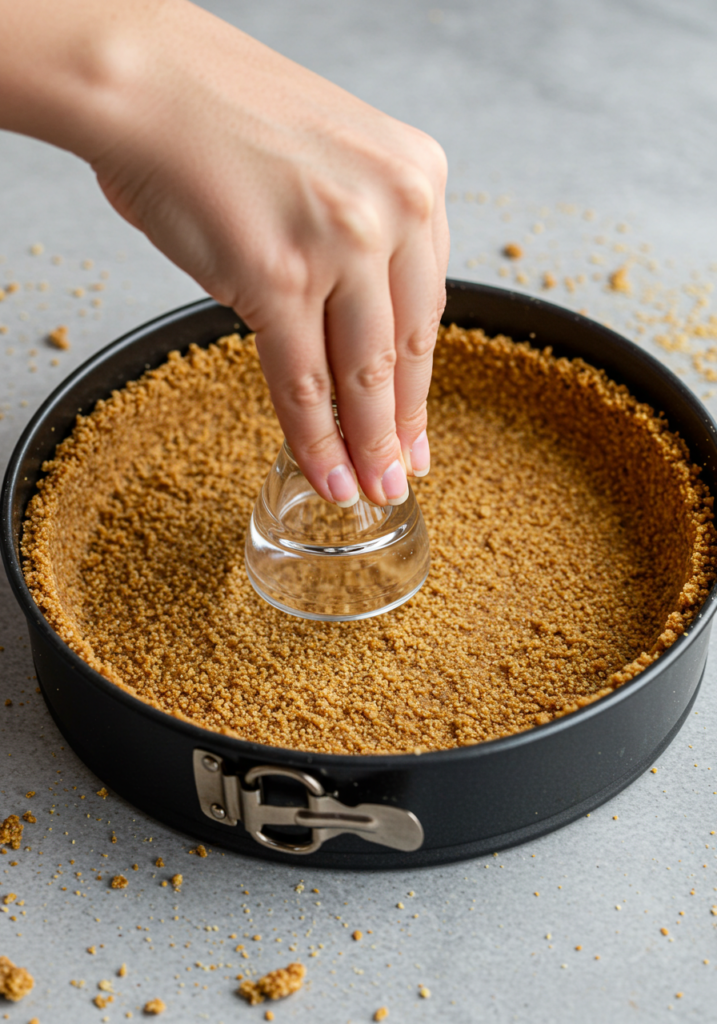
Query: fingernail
pixel 395 484
pixel 421 455
pixel 343 486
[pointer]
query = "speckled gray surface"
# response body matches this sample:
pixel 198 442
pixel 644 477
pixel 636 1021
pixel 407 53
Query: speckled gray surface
pixel 585 132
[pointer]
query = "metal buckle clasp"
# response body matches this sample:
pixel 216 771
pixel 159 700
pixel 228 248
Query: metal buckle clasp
pixel 225 799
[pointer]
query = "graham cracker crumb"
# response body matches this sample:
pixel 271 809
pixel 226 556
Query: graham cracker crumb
pixel 15 982
pixel 619 281
pixel 381 1013
pixel 154 1007
pixel 59 337
pixel 11 832
pixel 159 863
pixel 177 881
pixel 29 817
pixel 275 985
pixel 513 251
pixel 119 882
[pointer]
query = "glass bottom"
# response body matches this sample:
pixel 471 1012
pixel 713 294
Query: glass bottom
pixel 316 617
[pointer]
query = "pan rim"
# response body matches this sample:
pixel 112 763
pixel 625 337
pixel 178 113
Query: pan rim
pixel 236 747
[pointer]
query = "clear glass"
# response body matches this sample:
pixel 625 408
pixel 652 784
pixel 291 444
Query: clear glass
pixel 315 560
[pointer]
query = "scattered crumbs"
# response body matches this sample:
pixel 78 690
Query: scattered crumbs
pixel 299 887
pixel 122 971
pixel 159 863
pixel 200 851
pixel 578 948
pixel 78 292
pixel 10 898
pixel 357 935
pixel 679 995
pixel 92 950
pixel 119 882
pixel 105 985
pixel 381 1013
pixel 154 1006
pixel 37 249
pixel 664 931
pixel 15 982
pixel 400 906
pixel 268 1015
pixel 275 985
pixel 549 280
pixel 102 792
pixel 102 1002
pixel 29 817
pixel 536 894
pixel 177 881
pixel 424 993
pixel 59 337
pixel 654 771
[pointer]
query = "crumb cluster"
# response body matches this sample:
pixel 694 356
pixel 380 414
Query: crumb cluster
pixel 11 832
pixel 275 985
pixel 571 543
pixel 15 982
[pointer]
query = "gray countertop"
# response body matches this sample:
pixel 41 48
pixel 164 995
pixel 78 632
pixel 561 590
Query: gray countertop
pixel 586 133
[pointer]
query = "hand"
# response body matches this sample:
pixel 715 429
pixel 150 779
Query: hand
pixel 319 219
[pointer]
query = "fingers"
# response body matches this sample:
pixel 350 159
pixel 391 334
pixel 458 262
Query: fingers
pixel 417 291
pixel 362 354
pixel 418 275
pixel 293 358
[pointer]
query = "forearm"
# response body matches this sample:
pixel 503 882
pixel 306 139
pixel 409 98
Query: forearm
pixel 68 69
pixel 320 220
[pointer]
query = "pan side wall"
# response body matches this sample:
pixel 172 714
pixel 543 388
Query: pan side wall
pixel 478 800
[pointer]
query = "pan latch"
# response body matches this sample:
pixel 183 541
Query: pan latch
pixel 227 800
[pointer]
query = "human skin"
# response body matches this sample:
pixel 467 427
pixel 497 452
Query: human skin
pixel 318 218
